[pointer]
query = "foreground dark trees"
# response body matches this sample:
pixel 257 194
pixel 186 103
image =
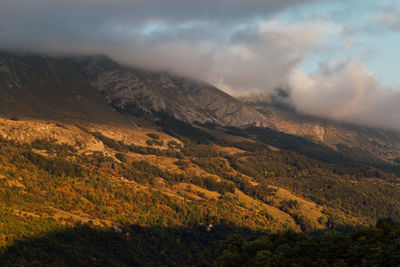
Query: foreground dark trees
pixel 87 245
pixel 376 246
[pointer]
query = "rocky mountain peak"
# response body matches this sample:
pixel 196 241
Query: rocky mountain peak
pixel 99 79
pixel 182 98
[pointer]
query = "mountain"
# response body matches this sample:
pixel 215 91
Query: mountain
pixel 88 87
pixel 107 165
pixel 381 143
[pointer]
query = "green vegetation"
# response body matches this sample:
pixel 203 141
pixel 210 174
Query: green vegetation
pixel 142 171
pixel 121 147
pixel 36 188
pixel 51 146
pixel 56 166
pixel 154 142
pixel 88 245
pixel 376 246
pixel 287 200
pixel 154 136
pixel 157 206
pixel 182 164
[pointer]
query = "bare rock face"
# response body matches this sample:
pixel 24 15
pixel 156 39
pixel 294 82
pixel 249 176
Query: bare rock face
pixel 94 88
pixel 184 99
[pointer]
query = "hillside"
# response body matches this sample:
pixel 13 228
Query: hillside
pixel 381 143
pixel 158 167
pixel 238 185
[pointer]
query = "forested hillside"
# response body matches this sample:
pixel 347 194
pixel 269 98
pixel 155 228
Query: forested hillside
pixel 107 165
pixel 172 196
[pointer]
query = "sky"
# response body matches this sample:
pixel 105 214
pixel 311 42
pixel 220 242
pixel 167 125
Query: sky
pixel 338 59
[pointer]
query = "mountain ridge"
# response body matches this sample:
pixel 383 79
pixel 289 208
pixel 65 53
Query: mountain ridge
pixel 383 143
pixel 94 150
pixel 122 87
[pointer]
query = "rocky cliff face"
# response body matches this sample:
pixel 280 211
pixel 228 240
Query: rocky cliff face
pixel 182 98
pixel 78 86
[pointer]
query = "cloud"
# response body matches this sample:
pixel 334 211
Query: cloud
pixel 234 44
pixel 389 20
pixel 40 24
pixel 142 11
pixel 237 45
pixel 386 17
pixel 346 91
pixel 267 53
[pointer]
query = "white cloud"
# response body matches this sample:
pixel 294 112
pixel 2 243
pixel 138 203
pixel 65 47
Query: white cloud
pixel 266 54
pixel 238 45
pixel 348 92
pixel 227 42
pixel 390 20
pixel 388 15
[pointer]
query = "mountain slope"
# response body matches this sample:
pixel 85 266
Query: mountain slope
pixel 86 141
pixel 89 87
pixel 381 143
